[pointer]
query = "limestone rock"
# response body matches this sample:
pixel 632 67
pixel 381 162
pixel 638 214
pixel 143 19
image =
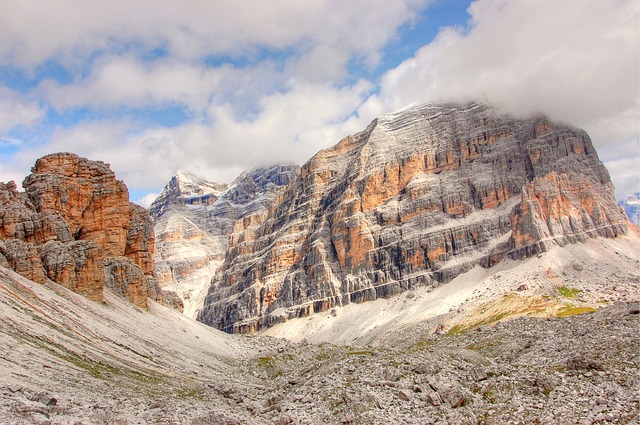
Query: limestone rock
pixel 73 214
pixel 194 219
pixel 186 189
pixel 23 258
pixel 123 277
pixel 417 198
pixel 140 238
pixel 559 209
pixel 76 265
pixel 19 220
pixel 86 194
pixel 171 299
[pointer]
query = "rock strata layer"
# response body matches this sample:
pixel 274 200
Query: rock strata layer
pixel 417 198
pixel 74 225
pixel 194 219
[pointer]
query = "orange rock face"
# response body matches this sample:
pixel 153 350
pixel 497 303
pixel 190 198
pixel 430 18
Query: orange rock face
pixel 558 209
pixel 73 217
pixel 86 194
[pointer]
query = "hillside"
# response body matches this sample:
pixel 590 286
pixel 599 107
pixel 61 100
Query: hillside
pixel 66 359
pixel 448 264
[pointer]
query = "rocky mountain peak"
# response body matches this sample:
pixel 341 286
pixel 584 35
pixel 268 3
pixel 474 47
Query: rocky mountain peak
pixel 74 225
pixel 194 219
pixel 417 198
pixel 190 185
pixel 631 205
pixel 186 188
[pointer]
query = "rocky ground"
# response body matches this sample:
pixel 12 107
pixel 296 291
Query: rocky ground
pixel 66 360
pixel 581 369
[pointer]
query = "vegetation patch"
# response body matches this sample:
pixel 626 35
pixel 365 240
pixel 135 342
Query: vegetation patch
pixel 568 292
pixel 322 356
pixel 266 361
pixel 510 305
pixel 570 310
pixel 189 393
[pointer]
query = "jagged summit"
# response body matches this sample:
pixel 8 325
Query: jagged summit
pixel 186 188
pixel 74 225
pixel 194 218
pixel 191 185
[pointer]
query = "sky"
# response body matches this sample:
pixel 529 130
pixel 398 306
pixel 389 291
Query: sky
pixel 217 87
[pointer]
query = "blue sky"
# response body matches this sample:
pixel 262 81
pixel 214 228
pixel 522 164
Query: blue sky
pixel 217 87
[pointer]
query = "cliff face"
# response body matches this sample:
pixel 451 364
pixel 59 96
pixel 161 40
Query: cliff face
pixel 193 220
pixel 417 198
pixel 74 225
pixel 561 209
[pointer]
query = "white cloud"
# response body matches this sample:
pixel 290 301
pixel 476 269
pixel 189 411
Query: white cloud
pixel 129 81
pixel 71 30
pixel 576 61
pixel 147 199
pixel 622 159
pixel 140 158
pixel 290 94
pixel 289 126
pixel 16 110
pixel 292 125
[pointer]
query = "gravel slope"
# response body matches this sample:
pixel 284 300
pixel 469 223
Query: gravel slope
pixel 64 359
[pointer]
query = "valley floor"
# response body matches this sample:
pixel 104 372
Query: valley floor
pixel 67 360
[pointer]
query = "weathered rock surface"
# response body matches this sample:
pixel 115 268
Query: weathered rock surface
pixel 66 360
pixel 557 209
pixel 76 265
pixel 193 221
pixel 417 198
pixel 72 223
pixel 86 194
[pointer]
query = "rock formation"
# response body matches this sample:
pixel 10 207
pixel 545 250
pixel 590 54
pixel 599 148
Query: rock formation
pixel 559 209
pixel 417 198
pixel 74 225
pixel 194 218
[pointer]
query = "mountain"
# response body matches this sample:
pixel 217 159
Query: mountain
pixel 416 199
pixel 631 206
pixel 74 225
pixel 193 219
pixel 512 305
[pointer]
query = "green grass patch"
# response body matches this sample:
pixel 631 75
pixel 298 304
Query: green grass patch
pixel 322 356
pixel 266 361
pixel 189 393
pixel 458 329
pixel 568 292
pixel 570 310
